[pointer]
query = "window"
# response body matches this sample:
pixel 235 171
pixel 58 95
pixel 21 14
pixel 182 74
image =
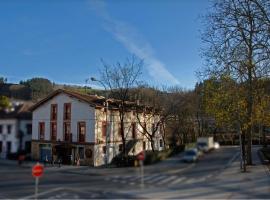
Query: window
pixel 9 147
pixel 1 144
pixel 53 131
pixel 28 146
pixel 120 147
pixel 9 129
pixel 81 152
pixel 67 111
pixel 54 112
pixel 133 126
pixel 153 128
pixel 104 129
pixel 66 129
pixel 119 129
pixel 1 129
pixel 104 149
pixel 144 145
pixel 161 143
pixel 41 130
pixel 29 129
pixel 81 131
pixel 144 128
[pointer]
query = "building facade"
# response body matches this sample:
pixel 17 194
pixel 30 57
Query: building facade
pixel 15 129
pixel 72 126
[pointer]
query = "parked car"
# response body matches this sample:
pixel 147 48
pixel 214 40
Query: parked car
pixel 216 145
pixel 190 155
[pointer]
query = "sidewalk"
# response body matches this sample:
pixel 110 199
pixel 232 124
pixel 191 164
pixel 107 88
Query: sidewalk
pixel 228 184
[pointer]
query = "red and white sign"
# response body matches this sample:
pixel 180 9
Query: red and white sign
pixel 37 170
pixel 140 156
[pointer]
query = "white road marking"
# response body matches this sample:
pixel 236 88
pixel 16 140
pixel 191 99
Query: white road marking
pixel 178 180
pixel 167 180
pixel 156 179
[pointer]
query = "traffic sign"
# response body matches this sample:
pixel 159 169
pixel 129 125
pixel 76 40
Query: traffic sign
pixel 37 170
pixel 140 156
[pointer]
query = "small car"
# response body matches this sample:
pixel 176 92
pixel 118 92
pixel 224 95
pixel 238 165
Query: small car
pixel 190 155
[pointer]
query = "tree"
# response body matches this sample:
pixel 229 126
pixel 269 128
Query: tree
pixel 40 87
pixel 237 42
pixel 118 80
pixel 3 80
pixel 4 102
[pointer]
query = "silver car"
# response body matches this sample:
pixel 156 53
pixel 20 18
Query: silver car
pixel 190 156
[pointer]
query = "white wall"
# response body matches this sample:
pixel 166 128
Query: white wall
pixel 80 111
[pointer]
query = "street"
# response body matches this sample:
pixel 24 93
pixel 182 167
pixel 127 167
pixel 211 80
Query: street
pixel 84 182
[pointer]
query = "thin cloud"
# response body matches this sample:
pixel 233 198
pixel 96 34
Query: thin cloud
pixel 134 42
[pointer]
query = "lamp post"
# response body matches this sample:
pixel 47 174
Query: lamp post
pixel 107 130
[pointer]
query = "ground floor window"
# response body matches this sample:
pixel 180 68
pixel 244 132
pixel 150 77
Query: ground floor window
pixel 160 143
pixel 144 145
pixel 104 149
pixel 1 144
pixel 120 147
pixel 9 147
pixel 81 152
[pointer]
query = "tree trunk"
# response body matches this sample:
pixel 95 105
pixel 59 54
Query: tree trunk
pixel 152 144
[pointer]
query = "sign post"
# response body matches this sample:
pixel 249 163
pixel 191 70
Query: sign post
pixel 37 171
pixel 140 157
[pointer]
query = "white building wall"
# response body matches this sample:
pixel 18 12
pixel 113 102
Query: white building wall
pixel 6 137
pixel 80 111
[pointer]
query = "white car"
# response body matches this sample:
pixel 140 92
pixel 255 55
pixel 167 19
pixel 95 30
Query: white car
pixel 216 145
pixel 191 155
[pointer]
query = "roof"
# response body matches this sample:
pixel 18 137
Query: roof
pixel 93 100
pixel 21 111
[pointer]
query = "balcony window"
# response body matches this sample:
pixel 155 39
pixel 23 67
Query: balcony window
pixel 41 130
pixel 67 111
pixel 9 127
pixel 67 132
pixel 81 131
pixel 104 129
pixel 133 126
pixel 53 131
pixel 29 129
pixel 54 112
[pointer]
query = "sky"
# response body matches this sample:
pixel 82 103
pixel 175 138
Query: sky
pixel 65 41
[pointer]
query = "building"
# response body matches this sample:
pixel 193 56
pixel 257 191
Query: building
pixel 72 126
pixel 15 129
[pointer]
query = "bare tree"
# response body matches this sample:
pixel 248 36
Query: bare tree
pixel 118 80
pixel 237 42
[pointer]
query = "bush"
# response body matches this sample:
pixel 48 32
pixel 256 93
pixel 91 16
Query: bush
pixel 121 161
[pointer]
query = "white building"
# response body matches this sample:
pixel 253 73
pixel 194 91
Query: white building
pixel 70 125
pixel 15 129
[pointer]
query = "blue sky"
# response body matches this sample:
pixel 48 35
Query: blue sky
pixel 64 41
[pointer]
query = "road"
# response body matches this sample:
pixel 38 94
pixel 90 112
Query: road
pixel 75 183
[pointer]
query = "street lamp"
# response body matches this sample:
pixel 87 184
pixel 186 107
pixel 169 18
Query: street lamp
pixel 107 109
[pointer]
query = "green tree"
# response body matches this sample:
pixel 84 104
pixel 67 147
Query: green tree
pixel 40 87
pixel 4 102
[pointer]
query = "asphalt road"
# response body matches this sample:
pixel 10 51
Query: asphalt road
pixel 77 183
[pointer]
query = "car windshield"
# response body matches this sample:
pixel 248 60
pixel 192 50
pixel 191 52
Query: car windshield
pixel 190 153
